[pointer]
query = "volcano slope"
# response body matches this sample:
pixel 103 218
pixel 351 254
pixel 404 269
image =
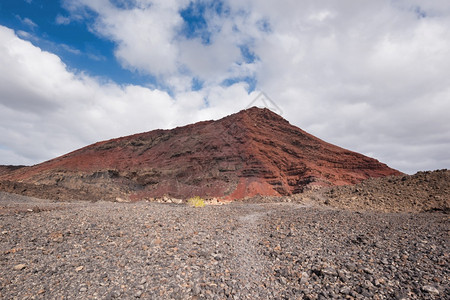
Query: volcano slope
pixel 253 152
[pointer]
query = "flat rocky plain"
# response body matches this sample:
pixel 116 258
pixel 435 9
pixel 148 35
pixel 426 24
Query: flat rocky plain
pixel 105 250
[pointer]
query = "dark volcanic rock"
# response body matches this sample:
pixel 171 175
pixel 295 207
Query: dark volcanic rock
pixel 424 191
pixel 253 152
pixel 8 169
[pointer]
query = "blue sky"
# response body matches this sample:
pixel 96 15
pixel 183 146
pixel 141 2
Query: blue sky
pixel 47 25
pixel 78 47
pixel 370 76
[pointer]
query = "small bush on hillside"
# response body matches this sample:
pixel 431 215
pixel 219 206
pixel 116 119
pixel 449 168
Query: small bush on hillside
pixel 196 201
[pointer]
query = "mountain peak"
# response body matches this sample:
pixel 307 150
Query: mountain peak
pixel 254 151
pixel 261 113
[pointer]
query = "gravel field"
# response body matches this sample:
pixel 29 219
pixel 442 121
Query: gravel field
pixel 104 250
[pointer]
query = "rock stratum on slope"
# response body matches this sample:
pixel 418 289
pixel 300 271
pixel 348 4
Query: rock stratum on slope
pixel 253 152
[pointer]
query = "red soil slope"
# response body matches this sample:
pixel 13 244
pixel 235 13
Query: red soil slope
pixel 251 152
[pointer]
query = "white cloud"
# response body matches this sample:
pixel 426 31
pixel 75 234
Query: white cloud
pixel 70 49
pixel 144 34
pixel 29 23
pixel 24 34
pixel 149 40
pixel 206 61
pixel 370 77
pixel 46 111
pixel 62 20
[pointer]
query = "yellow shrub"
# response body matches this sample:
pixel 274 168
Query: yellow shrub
pixel 196 201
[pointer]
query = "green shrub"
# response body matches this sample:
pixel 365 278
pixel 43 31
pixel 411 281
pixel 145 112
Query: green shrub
pixel 196 201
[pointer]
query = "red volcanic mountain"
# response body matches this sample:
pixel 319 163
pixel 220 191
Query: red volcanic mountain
pixel 248 153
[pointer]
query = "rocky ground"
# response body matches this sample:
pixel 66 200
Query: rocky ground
pixel 421 192
pixel 104 250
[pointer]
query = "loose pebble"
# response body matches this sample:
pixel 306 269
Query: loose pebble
pixel 20 267
pixel 105 250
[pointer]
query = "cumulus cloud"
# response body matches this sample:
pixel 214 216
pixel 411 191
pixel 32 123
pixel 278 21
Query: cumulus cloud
pixel 371 76
pixel 144 32
pixel 46 110
pixel 367 76
pixel 28 22
pixel 151 38
pixel 62 20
